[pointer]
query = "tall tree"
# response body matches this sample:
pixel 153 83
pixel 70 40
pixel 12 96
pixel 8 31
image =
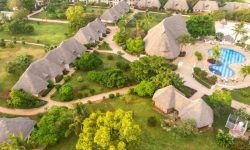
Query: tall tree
pixel 216 53
pixel 239 29
pixel 75 17
pixel 184 40
pixel 201 25
pixel 245 71
pixel 110 130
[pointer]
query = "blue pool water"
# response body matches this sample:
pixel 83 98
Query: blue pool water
pixel 228 56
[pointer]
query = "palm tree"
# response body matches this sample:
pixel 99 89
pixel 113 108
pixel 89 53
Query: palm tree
pixel 245 71
pixel 216 53
pixel 79 113
pixel 184 40
pixel 239 29
pixel 14 143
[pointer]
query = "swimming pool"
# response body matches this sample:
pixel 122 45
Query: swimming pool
pixel 228 57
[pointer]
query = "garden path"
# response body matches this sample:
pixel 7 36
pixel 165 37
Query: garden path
pixel 43 109
pixel 29 17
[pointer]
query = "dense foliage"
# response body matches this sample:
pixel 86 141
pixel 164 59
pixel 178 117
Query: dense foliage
pixel 88 61
pixel 21 99
pixel 111 130
pixel 55 9
pixel 202 76
pixel 19 27
pixel 77 17
pixel 145 88
pixel 109 78
pixel 14 143
pixel 120 38
pixel 66 92
pixel 135 46
pixel 147 67
pixel 201 25
pixel 52 126
pixel 220 98
pixel 186 128
pixel 224 139
pixel 18 65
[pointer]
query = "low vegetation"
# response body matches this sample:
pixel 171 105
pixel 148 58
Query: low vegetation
pixel 202 77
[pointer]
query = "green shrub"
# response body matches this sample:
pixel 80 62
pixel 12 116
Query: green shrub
pixel 186 128
pixel 66 92
pixel 245 93
pixel 202 77
pixel 57 86
pixel 240 144
pixel 123 65
pixel 145 88
pixel 59 78
pixel 111 96
pixel 22 99
pixel 92 91
pixel 88 61
pixel 79 78
pixel 66 78
pixel 152 121
pixel 2 43
pixel 51 84
pixel 198 55
pixel 110 57
pixel 10 45
pixel 220 98
pixel 224 139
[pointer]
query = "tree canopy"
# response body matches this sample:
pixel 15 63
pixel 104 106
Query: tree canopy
pixel 110 130
pixel 201 25
pixel 88 61
pixel 147 67
pixel 135 45
pixel 66 92
pixel 52 126
pixel 145 88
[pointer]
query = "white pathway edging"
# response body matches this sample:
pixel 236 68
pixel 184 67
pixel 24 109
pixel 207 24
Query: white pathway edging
pixel 44 20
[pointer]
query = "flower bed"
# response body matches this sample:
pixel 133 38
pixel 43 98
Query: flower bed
pixel 202 77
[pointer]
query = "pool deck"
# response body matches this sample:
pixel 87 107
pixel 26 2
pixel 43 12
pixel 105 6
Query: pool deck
pixel 190 61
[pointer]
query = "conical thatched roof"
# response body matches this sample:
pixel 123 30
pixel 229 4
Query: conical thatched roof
pixel 206 6
pixel 31 83
pixel 176 5
pixel 162 40
pixel 199 111
pixel 232 6
pixel 148 3
pixel 165 97
pixel 169 97
pixel 20 126
pixel 110 15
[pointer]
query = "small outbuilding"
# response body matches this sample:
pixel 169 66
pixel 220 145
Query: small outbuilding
pixel 169 99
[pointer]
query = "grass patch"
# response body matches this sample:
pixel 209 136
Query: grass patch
pixel 238 95
pixel 104 46
pixel 46 33
pixel 153 138
pixel 83 87
pixel 153 19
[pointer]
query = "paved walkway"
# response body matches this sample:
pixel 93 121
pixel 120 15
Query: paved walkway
pixel 29 43
pixel 35 111
pixel 29 17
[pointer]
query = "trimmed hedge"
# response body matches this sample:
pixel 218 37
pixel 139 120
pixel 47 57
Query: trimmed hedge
pixel 201 81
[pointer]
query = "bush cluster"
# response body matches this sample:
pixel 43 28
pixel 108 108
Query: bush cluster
pixel 204 78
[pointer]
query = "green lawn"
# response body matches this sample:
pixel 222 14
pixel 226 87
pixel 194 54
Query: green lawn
pixel 104 46
pixel 83 87
pixel 238 96
pixel 46 33
pixel 9 54
pixel 89 10
pixel 153 19
pixel 153 138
